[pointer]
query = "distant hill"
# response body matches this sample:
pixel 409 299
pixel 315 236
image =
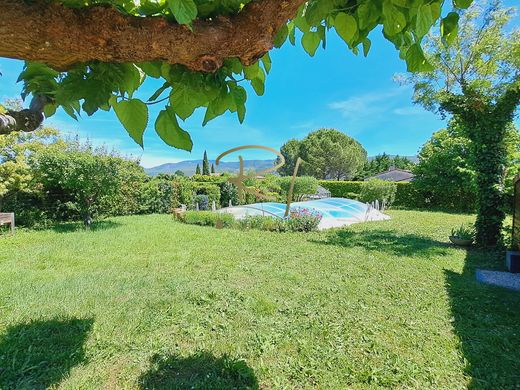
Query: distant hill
pixel 413 159
pixel 189 166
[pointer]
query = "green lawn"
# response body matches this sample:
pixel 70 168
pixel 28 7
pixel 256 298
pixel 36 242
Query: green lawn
pixel 146 302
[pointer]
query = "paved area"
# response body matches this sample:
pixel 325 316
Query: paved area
pixel 498 278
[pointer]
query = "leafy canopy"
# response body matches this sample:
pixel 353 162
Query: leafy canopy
pixel 89 87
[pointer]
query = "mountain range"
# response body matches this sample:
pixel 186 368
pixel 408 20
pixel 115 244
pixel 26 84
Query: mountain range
pixel 189 166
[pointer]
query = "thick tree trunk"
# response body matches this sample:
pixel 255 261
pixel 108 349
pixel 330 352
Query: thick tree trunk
pixel 490 159
pixel 486 123
pixel 60 36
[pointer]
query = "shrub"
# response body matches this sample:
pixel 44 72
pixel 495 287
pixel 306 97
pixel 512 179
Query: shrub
pixel 464 232
pixel 212 191
pixel 376 189
pixel 303 220
pixel 202 201
pixel 304 185
pixel 342 189
pixel 182 192
pixel 228 192
pixel 261 222
pixel 208 218
pixel 156 196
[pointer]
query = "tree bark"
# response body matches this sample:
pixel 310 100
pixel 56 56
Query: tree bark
pixel 61 37
pixel 27 120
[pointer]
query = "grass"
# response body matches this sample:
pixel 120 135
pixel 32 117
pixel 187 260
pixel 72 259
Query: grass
pixel 148 303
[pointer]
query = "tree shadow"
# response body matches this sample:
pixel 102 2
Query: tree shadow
pixel 385 241
pixel 40 354
pixel 200 371
pixel 70 227
pixel 487 321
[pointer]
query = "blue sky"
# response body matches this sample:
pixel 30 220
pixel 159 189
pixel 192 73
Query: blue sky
pixel 356 95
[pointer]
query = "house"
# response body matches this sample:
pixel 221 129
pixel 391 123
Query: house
pixel 395 175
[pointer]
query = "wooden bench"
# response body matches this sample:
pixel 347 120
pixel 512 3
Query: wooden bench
pixel 7 219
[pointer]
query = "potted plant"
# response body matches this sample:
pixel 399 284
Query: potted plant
pixel 463 236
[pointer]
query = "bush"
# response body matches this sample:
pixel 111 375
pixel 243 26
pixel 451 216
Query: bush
pixel 266 223
pixel 202 201
pixel 304 185
pixel 156 196
pixel 303 220
pixel 228 192
pixel 182 192
pixel 407 195
pixel 212 191
pixel 208 218
pixel 377 189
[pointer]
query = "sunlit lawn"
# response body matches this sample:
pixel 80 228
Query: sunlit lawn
pixel 146 302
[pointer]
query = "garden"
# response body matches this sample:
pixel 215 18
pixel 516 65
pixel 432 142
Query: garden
pixel 148 302
pixel 329 269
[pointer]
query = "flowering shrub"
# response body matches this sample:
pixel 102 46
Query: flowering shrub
pixel 267 223
pixel 304 220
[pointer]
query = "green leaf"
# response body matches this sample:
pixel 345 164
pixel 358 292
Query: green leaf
pixel 266 60
pixel 463 4
pixel 167 127
pixel 310 42
pixel 185 11
pixel 423 21
pixel 133 115
pixel 159 91
pixel 394 20
pixel 366 46
pixel 281 36
pixel 416 61
pixel 450 27
pixel 182 101
pixel 239 96
pixel 346 27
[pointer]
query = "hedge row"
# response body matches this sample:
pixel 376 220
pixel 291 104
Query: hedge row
pixel 407 196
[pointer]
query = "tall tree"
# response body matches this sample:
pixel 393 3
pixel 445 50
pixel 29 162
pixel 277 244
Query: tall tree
pixel 476 78
pixel 84 56
pixel 331 154
pixel 197 170
pixel 290 151
pixel 16 150
pixel 212 168
pixel 205 164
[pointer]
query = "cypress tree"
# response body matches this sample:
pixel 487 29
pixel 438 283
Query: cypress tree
pixel 212 168
pixel 205 164
pixel 197 170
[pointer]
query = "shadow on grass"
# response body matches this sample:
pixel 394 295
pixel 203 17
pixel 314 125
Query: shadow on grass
pixel 487 322
pixel 386 241
pixel 40 354
pixel 200 371
pixel 69 227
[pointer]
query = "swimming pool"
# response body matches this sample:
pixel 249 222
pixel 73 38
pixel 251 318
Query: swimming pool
pixel 335 211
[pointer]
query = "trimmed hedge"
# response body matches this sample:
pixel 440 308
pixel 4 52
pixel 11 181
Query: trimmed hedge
pixel 406 196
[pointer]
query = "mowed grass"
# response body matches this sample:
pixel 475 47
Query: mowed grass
pixel 145 302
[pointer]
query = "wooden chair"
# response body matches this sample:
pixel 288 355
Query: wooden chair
pixel 7 219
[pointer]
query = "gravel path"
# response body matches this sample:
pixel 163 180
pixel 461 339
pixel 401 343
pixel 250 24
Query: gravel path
pixel 498 278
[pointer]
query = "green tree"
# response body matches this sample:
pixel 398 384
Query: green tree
pixel 304 185
pixel 15 150
pixel 330 154
pixel 476 78
pixel 197 170
pixel 290 151
pixel 195 47
pixel 205 164
pixel 444 174
pixel 179 173
pixel 85 174
pixel 212 168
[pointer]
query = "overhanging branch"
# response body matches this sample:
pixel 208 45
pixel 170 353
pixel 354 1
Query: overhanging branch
pixel 61 37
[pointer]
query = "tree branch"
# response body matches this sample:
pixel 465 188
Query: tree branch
pixel 61 37
pixel 27 120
